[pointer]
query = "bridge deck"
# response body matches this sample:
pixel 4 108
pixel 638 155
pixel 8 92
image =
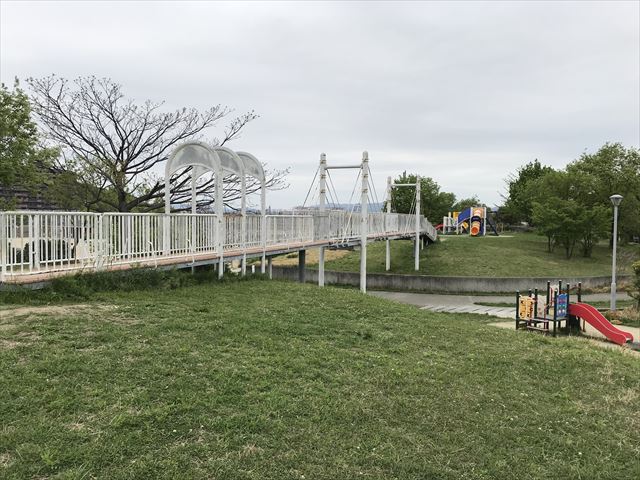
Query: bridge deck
pixel 39 246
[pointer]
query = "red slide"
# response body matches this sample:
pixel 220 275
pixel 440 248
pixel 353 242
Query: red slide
pixel 592 316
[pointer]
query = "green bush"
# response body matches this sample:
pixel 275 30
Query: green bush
pixel 85 285
pixel 634 289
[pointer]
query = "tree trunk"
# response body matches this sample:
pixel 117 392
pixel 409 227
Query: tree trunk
pixel 122 201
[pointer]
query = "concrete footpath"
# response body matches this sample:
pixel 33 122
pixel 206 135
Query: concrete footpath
pixel 466 304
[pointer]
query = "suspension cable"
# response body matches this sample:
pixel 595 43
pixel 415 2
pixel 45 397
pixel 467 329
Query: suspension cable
pixel 373 187
pixel 335 192
pixel 310 187
pixel 353 206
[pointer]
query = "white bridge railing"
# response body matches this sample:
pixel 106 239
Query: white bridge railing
pixel 41 242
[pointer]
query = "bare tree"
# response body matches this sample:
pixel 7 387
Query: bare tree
pixel 113 147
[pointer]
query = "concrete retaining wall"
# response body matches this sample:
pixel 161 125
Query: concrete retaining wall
pixel 428 283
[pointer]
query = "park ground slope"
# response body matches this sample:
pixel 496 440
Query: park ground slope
pixel 509 255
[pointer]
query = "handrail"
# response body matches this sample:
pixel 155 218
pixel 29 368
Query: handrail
pixel 46 241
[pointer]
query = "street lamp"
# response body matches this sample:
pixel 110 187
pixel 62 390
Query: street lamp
pixel 615 199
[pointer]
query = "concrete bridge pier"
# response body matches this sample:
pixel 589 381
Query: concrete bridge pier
pixel 302 258
pixel 270 267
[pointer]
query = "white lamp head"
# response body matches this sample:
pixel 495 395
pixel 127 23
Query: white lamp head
pixel 616 199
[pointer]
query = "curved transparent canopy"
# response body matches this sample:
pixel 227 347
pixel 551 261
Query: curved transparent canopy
pixel 204 158
pixel 252 166
pixel 229 160
pixel 193 154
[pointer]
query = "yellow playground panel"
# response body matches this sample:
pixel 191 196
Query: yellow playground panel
pixel 525 308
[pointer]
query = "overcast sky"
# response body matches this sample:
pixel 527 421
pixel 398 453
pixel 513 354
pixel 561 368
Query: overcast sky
pixel 461 92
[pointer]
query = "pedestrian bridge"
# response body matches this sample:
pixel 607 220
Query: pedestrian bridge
pixel 36 246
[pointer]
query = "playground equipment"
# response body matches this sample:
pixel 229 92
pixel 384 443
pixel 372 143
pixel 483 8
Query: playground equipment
pixel 472 220
pixel 547 314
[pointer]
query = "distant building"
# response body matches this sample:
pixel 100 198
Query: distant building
pixel 26 199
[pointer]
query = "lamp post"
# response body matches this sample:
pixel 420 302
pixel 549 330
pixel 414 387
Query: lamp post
pixel 615 199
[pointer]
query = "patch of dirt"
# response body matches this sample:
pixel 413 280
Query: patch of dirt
pixel 5 460
pixel 311 258
pixel 8 344
pixel 628 396
pixel 76 426
pixel 249 450
pixel 51 310
pixel 20 339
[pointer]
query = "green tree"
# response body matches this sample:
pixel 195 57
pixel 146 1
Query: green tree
pixel 434 203
pixel 612 169
pixel 561 211
pixel 464 203
pixel 518 206
pixel 593 224
pixel 112 146
pixel 545 216
pixel 634 288
pixel 23 160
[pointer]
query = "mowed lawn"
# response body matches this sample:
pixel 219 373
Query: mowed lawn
pixel 271 380
pixel 517 255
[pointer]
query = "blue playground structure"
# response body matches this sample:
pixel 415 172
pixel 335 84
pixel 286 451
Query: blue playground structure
pixel 472 220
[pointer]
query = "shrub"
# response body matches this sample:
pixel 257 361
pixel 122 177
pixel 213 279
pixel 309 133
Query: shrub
pixel 634 288
pixel 85 285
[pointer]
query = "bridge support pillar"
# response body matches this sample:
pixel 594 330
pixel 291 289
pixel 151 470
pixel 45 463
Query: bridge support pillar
pixel 387 263
pixel 270 267
pixel 321 267
pixel 324 224
pixel 364 222
pixel 302 258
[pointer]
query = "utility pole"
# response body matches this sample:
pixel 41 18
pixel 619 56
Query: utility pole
pixel 615 199
pixel 417 246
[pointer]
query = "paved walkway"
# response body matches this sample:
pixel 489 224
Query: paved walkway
pixel 467 303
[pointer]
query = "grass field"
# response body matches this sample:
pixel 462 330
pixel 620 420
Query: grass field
pixel 271 380
pixel 519 255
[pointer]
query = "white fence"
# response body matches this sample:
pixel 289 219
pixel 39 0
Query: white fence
pixel 40 242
